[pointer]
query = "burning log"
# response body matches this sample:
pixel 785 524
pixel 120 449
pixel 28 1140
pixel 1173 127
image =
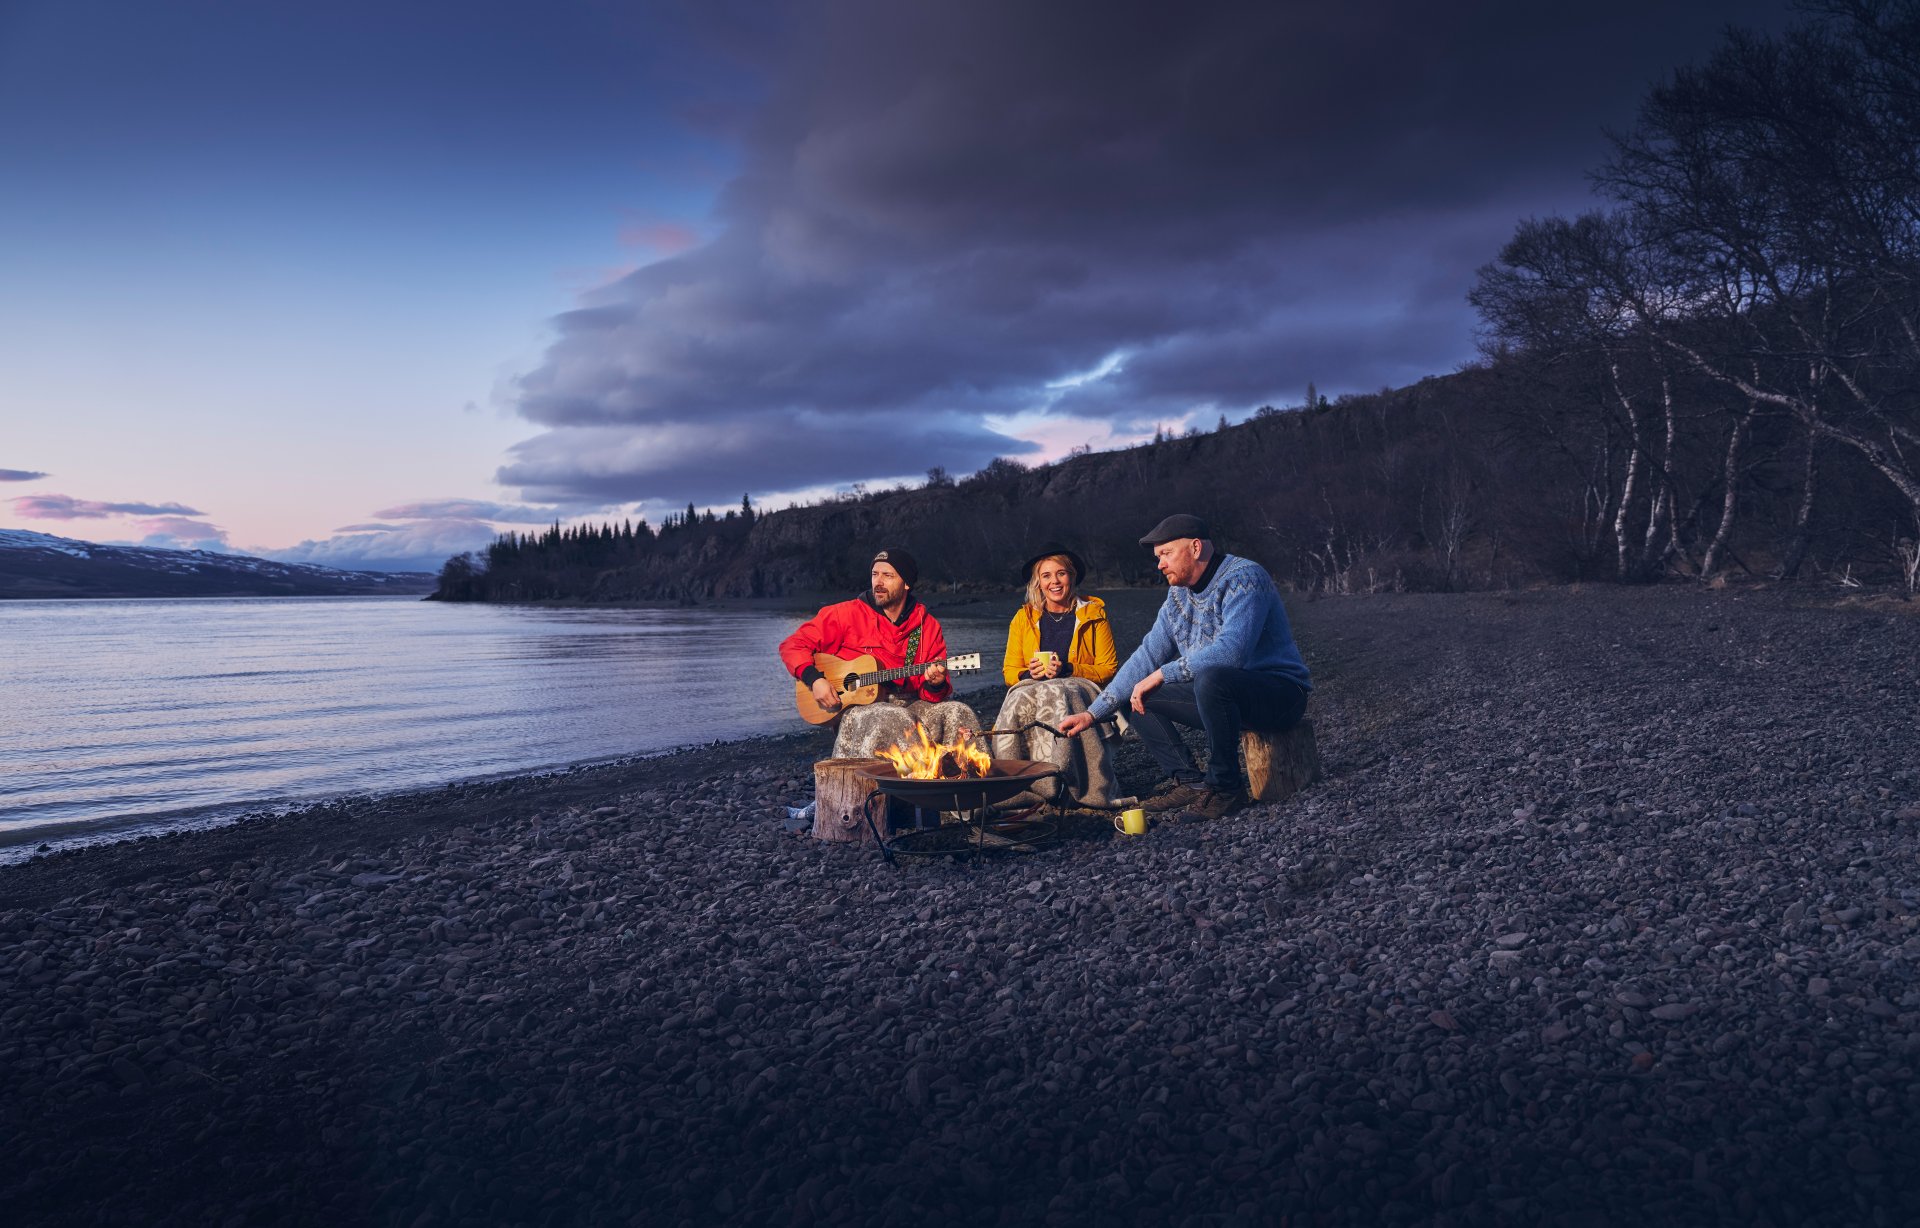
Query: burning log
pixel 953 765
pixel 919 757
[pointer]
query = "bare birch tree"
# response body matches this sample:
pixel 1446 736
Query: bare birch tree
pixel 1787 171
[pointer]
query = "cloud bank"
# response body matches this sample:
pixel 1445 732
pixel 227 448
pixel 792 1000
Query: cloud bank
pixel 165 526
pixel 947 215
pixel 417 536
pixel 180 533
pixel 473 509
pixel 66 507
pixel 423 546
pixel 21 475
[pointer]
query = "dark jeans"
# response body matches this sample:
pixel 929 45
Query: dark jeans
pixel 1223 701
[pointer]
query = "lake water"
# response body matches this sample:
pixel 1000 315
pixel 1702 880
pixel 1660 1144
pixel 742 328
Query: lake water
pixel 119 716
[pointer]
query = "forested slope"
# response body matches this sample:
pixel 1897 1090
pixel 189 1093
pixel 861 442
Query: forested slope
pixel 1496 476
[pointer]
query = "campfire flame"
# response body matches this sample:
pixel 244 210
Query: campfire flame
pixel 919 757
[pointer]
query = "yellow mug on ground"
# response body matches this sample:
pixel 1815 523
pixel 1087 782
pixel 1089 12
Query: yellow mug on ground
pixel 1131 822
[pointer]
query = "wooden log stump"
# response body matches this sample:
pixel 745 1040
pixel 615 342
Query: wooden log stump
pixel 841 788
pixel 1278 765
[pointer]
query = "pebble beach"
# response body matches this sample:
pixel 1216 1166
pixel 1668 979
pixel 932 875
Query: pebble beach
pixel 1606 911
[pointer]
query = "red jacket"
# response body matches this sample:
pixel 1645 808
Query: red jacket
pixel 849 629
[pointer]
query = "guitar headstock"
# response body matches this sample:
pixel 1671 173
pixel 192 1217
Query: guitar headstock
pixel 964 662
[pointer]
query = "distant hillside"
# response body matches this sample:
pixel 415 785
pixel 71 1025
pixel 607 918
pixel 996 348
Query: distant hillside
pixel 1491 477
pixel 1341 496
pixel 40 565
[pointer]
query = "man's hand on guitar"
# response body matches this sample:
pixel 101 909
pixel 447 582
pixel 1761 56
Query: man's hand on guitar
pixel 848 682
pixel 1077 724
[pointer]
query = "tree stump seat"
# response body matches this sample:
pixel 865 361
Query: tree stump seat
pixel 841 788
pixel 1278 765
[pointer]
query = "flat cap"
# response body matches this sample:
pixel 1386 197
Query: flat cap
pixel 1175 527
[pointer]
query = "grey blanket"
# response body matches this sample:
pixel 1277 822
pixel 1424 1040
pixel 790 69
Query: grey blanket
pixel 1084 759
pixel 864 730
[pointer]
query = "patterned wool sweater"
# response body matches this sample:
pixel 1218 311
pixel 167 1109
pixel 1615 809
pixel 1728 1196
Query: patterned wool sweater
pixel 1235 618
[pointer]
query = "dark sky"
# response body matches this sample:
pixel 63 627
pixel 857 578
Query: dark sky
pixel 1003 228
pixel 318 269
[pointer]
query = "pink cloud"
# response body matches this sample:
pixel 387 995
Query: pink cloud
pixel 66 507
pixel 180 529
pixel 666 238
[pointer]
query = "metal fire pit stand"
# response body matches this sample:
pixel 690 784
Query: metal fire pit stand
pixel 973 797
pixel 977 794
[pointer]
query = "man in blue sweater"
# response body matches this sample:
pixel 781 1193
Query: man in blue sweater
pixel 1220 656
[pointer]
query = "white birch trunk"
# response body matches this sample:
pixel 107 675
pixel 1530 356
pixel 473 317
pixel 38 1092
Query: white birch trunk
pixel 1655 553
pixel 1630 484
pixel 1803 514
pixel 1730 499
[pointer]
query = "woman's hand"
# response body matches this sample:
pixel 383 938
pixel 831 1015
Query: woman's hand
pixel 936 674
pixel 1043 665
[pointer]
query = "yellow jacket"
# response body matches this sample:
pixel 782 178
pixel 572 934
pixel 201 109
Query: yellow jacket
pixel 1092 657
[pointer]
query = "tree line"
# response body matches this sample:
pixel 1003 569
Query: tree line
pixel 1726 354
pixel 562 562
pixel 1713 375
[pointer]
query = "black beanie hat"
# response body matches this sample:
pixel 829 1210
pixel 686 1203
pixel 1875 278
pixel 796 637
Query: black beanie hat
pixel 901 562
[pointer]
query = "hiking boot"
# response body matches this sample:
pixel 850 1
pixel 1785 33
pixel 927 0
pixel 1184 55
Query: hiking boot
pixel 1178 795
pixel 1215 804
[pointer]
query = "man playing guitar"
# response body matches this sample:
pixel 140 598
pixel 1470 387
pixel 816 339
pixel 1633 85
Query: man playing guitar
pixel 887 623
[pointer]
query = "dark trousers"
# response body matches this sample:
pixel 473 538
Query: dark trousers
pixel 1223 701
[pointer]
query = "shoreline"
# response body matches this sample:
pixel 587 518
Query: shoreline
pixel 1592 916
pixel 74 835
pixel 804 603
pixel 358 814
pixel 1131 609
pixel 106 830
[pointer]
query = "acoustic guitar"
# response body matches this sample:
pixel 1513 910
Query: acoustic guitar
pixel 858 681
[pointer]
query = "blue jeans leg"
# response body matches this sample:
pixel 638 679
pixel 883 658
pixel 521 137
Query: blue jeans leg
pixel 1163 740
pixel 1222 701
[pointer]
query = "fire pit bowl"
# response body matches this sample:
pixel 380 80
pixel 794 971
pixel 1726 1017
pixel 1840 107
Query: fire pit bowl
pixel 1004 779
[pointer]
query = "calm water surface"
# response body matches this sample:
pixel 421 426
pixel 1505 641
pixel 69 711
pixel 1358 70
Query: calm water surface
pixel 118 715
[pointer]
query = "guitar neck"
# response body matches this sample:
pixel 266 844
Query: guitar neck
pixel 898 672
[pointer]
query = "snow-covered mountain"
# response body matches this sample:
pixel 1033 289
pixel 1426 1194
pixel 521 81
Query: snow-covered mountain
pixel 41 565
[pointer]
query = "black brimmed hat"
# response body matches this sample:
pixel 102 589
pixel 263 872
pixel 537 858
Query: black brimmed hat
pixel 1048 551
pixel 1175 527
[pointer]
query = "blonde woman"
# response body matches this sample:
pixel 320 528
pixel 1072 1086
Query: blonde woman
pixel 1059 654
pixel 1057 633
